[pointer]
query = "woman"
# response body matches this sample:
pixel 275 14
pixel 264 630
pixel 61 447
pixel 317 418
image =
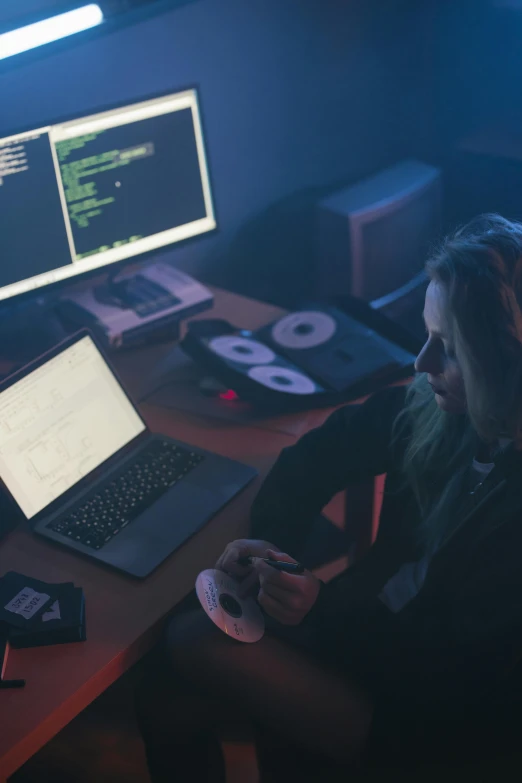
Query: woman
pixel 411 654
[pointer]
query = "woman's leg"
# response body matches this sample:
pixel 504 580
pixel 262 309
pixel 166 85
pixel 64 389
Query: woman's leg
pixel 279 687
pixel 281 761
pixel 179 724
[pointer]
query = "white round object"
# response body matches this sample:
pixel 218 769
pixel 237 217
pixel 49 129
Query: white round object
pixel 304 329
pixel 282 379
pixel 240 618
pixel 242 350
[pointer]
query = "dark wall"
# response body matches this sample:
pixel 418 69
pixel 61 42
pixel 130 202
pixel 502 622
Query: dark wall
pixel 298 98
pixel 477 107
pixel 477 69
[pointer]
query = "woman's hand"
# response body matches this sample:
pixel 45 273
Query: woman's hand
pixel 286 597
pixel 243 547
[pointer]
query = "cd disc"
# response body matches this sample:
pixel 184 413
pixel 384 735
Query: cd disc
pixel 240 618
pixel 304 329
pixel 282 379
pixel 241 349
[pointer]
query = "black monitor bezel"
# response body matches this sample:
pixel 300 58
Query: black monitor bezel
pixel 46 290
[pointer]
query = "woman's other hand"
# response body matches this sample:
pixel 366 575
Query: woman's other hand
pixel 235 551
pixel 286 597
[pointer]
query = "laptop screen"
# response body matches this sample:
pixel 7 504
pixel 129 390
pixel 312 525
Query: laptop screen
pixel 60 422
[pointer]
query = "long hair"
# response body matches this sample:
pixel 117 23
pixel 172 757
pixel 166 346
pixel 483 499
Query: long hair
pixel 480 267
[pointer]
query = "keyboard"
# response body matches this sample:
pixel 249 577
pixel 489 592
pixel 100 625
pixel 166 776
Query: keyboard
pixel 147 297
pixel 112 507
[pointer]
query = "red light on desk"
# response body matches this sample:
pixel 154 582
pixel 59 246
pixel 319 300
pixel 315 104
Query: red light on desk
pixel 229 394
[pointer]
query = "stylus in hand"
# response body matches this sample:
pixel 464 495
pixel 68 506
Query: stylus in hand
pixel 279 565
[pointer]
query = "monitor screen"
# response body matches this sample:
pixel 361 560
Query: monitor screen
pixel 81 194
pixel 60 422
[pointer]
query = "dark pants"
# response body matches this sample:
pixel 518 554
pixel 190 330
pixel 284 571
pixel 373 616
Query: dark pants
pixel 310 720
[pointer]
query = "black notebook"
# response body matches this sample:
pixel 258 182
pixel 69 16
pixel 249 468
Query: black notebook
pixel 62 622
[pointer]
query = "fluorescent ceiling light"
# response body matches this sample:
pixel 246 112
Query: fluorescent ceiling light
pixel 49 30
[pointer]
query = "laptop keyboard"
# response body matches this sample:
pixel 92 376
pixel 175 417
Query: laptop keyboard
pixel 99 518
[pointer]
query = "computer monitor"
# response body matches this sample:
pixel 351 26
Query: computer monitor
pixel 91 191
pixel 374 238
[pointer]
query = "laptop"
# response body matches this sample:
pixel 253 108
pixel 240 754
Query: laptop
pixel 82 467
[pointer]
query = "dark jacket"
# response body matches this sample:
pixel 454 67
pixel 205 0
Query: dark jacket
pixel 443 670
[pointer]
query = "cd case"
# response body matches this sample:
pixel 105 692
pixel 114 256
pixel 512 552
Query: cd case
pixel 23 600
pixel 60 619
pixel 317 356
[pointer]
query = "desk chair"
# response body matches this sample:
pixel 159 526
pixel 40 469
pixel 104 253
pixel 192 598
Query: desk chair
pixel 329 540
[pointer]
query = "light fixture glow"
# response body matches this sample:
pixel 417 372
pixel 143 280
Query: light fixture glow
pixel 48 30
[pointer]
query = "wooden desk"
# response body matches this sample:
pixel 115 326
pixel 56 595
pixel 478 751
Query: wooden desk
pixel 124 616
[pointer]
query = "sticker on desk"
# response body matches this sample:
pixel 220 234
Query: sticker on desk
pixel 27 603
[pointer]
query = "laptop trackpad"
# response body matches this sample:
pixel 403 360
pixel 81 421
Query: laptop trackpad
pixel 163 528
